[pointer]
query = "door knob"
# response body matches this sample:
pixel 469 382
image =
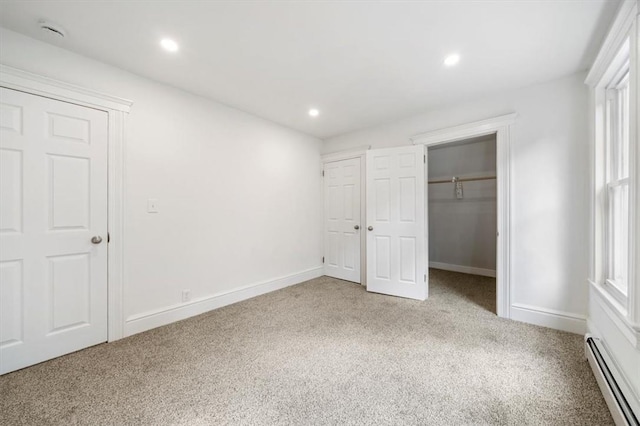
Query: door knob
pixel 370 228
pixel 96 240
pixel 356 227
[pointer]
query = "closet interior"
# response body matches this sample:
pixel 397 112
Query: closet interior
pixel 462 211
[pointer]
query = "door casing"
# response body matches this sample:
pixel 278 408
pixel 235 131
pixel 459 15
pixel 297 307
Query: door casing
pixel 117 110
pixel 501 127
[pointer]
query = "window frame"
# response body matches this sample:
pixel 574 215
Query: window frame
pixel 612 129
pixel 617 161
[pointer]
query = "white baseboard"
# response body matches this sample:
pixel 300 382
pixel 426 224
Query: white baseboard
pixel 550 318
pixel 464 269
pixel 152 319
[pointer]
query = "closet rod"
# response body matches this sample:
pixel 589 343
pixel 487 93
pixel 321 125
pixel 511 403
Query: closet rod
pixel 457 179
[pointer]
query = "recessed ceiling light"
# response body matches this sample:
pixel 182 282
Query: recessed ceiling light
pixel 314 112
pixel 169 45
pixel 452 60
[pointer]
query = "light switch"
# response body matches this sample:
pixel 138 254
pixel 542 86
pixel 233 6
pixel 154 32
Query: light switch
pixel 152 205
pixel 459 190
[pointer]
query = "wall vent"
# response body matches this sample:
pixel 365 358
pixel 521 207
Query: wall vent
pixel 52 29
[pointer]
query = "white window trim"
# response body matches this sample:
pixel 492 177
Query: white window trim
pixel 609 61
pixel 619 73
pixel 605 161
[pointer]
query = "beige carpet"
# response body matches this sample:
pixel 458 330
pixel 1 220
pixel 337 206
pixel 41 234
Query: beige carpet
pixel 323 352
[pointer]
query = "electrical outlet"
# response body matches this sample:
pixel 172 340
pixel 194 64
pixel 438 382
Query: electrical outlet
pixel 186 295
pixel 152 205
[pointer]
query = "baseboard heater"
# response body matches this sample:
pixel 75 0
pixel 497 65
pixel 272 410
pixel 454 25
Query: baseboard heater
pixel 599 360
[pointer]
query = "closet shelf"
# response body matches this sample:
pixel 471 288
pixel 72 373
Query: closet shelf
pixel 457 179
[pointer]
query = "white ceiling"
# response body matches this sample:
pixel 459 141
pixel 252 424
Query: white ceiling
pixel 359 62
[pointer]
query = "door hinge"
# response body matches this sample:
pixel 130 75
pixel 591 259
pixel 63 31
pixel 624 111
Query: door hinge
pixel 322 259
pixel 323 173
pixel 424 158
pixel 108 238
pixel 425 278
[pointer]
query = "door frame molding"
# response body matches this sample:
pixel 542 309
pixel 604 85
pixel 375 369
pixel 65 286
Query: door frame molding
pixel 117 110
pixel 501 127
pixel 360 153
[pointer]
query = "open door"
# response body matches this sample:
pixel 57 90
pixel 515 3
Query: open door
pixel 397 250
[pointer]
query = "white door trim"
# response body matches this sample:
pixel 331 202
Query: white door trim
pixel 117 110
pixel 501 127
pixel 347 155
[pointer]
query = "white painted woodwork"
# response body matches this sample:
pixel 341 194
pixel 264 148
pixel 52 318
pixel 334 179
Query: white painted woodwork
pixel 501 127
pixel 117 110
pixel 357 153
pixel 341 217
pixel 613 319
pixel 53 284
pixel 397 243
pixel 159 317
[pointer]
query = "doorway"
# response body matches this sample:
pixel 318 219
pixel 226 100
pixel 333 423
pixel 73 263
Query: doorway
pixel 462 205
pixel 500 127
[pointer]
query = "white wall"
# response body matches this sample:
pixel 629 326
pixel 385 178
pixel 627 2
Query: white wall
pixel 549 172
pixel 462 232
pixel 239 196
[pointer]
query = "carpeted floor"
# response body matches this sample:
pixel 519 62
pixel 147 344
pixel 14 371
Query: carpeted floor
pixel 323 352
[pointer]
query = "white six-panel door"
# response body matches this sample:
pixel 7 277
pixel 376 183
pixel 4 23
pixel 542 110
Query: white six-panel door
pixel 396 222
pixel 342 219
pixel 53 200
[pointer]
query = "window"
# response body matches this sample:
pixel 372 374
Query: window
pixel 617 183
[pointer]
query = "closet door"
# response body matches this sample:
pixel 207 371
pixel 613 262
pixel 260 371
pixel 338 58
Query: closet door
pixel 53 228
pixel 342 219
pixel 396 222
